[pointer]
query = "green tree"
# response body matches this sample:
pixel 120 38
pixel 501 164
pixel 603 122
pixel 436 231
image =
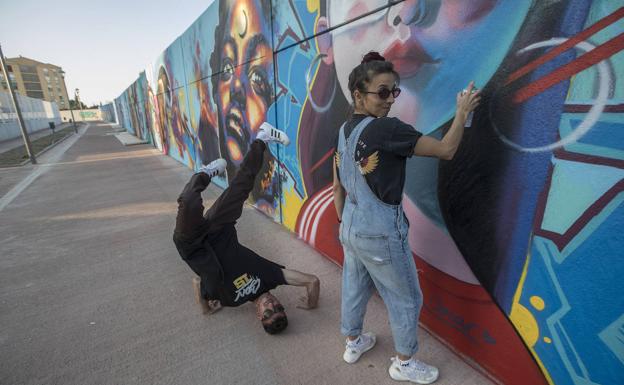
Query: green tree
pixel 75 106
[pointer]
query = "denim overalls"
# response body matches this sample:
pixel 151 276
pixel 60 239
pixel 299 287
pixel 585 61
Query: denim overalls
pixel 376 254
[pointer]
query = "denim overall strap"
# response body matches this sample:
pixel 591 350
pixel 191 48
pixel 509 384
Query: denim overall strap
pixel 341 143
pixel 348 167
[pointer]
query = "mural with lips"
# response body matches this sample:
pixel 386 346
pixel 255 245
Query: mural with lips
pixel 518 239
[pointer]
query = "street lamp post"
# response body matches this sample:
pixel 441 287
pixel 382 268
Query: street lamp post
pixel 20 119
pixel 68 102
pixel 79 103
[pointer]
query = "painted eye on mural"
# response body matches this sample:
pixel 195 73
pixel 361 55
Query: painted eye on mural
pixel 422 13
pixel 227 70
pixel 259 81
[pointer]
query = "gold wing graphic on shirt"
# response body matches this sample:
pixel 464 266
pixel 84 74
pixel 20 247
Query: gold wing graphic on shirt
pixel 369 164
pixel 337 159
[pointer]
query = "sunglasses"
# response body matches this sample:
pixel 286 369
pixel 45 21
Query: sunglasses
pixel 268 313
pixel 385 93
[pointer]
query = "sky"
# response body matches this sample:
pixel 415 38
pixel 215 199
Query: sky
pixel 101 45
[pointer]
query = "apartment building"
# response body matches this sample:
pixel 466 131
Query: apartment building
pixel 36 80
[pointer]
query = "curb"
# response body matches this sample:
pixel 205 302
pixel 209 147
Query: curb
pixel 47 148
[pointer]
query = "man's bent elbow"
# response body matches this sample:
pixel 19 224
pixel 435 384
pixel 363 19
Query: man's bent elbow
pixel 314 281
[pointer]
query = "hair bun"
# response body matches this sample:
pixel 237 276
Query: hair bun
pixel 372 55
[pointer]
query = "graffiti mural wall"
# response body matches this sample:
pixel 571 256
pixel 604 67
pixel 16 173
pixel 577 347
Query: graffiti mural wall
pixel 108 112
pixel 518 238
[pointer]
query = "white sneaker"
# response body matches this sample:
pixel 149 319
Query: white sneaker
pixel 268 133
pixel 214 168
pixel 361 345
pixel 417 371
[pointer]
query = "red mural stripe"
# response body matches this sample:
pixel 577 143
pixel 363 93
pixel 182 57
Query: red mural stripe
pixel 310 211
pixel 571 42
pixel 322 160
pixel 586 158
pixel 560 74
pixel 313 211
pixel 587 107
pixel 318 217
pixel 540 208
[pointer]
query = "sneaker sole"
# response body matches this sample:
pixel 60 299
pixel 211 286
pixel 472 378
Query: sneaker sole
pixel 364 351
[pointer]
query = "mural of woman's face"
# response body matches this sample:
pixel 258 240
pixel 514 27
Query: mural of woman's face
pixel 437 47
pixel 164 102
pixel 244 90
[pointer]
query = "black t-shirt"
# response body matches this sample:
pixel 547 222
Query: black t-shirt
pixel 381 152
pixel 246 275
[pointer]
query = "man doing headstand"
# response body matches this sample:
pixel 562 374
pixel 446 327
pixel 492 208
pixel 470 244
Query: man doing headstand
pixel 229 273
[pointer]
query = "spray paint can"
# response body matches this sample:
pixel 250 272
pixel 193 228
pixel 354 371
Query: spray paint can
pixel 471 113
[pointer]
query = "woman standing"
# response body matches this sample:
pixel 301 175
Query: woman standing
pixel 369 176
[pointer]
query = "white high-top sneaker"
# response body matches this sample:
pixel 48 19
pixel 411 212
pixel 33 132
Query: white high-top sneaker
pixel 214 168
pixel 416 371
pixel 355 349
pixel 268 133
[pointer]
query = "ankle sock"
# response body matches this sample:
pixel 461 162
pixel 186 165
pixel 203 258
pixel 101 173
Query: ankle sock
pixel 404 363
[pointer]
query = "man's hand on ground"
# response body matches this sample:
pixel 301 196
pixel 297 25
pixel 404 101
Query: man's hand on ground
pixel 209 306
pixel 212 307
pixel 310 300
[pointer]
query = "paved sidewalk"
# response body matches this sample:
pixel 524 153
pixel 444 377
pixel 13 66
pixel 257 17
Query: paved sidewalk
pixel 92 290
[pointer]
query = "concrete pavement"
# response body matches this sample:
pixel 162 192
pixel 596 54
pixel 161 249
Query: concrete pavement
pixel 92 290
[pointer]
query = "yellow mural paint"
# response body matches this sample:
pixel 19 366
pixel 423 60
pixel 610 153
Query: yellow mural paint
pixel 547 340
pixel 313 5
pixel 192 116
pixel 525 323
pixel 234 150
pixel 537 302
pixel 517 317
pixel 291 207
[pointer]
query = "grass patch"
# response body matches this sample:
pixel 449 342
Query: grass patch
pixel 18 155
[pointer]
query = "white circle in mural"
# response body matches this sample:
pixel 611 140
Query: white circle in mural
pixel 592 116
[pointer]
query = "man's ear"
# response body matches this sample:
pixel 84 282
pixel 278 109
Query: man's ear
pixel 323 40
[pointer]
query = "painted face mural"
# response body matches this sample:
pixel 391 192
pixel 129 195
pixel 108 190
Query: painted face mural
pixel 173 105
pixel 155 124
pixel 164 108
pixel 150 115
pixel 432 45
pixel 242 89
